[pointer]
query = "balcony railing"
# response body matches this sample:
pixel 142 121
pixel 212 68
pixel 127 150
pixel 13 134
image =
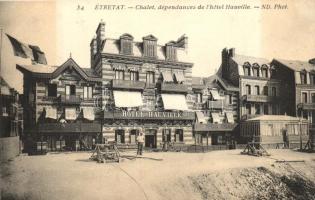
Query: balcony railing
pixel 199 106
pixel 306 106
pixel 156 115
pixel 248 116
pixel 259 98
pixel 215 127
pixel 172 87
pixel 70 99
pixel 128 84
pixel 78 127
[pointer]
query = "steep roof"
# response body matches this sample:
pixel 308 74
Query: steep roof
pixel 275 118
pixel 241 60
pixel 297 65
pixel 46 71
pixel 112 46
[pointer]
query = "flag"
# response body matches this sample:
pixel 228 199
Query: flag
pixel 27 51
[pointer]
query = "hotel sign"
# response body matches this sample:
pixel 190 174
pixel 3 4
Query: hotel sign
pixel 149 115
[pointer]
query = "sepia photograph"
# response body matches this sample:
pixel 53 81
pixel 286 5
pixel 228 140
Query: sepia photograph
pixel 157 100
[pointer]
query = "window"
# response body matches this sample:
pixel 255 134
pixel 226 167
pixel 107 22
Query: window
pixel 304 97
pixel 230 99
pixel 119 74
pixel 133 135
pixel 5 111
pixel 264 72
pixel 274 109
pixel 257 109
pixel 150 77
pixel 179 136
pixel 266 109
pixel 303 78
pixel 120 136
pixel 274 91
pixel 248 90
pixel 247 70
pixel 248 109
pixel 256 72
pixel 126 47
pixel 257 90
pixel 265 90
pixel 134 76
pixel 52 90
pixel 313 99
pixel 312 77
pixel 87 92
pixel 70 90
pixel 166 134
pixel 198 97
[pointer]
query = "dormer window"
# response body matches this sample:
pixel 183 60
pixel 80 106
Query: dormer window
pixel 256 70
pixel 150 46
pixel 171 53
pixel 126 44
pixel 264 72
pixel 303 77
pixel 247 69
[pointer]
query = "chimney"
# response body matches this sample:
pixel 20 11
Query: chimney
pixel 224 63
pixel 100 34
pixel 93 50
pixel 312 61
pixel 232 52
pixel 182 42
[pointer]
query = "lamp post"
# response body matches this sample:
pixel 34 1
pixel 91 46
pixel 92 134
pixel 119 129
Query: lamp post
pixel 300 123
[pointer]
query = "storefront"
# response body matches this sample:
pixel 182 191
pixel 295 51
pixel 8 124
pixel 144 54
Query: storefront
pixel 158 127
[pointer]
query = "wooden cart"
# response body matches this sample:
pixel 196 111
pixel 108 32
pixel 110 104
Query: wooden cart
pixel 104 153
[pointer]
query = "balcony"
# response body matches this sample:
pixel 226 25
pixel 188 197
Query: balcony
pixel 215 127
pixel 127 84
pixel 260 98
pixel 306 106
pixel 172 87
pixel 77 127
pixel 156 115
pixel 70 99
pixel 199 106
pixel 248 116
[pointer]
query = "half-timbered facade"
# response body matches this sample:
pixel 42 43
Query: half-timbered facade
pixel 60 105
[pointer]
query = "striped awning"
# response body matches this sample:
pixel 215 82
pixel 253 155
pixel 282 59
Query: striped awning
pixel 174 102
pixel 215 118
pixel 70 114
pixel 180 77
pixel 201 118
pixel 215 95
pixel 127 98
pixel 167 76
pixel 229 117
pixel 51 113
pixel 88 113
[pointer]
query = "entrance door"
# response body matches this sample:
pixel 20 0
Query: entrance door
pixel 150 138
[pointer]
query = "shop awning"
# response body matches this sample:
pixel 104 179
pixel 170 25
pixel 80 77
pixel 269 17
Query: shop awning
pixel 167 76
pixel 201 118
pixel 70 114
pixel 51 113
pixel 215 95
pixel 216 118
pixel 174 102
pixel 127 98
pixel 180 77
pixel 229 117
pixel 88 113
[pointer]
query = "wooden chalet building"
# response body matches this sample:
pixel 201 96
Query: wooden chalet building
pixel 60 105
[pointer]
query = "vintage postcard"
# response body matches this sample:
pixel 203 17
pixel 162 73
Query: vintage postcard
pixel 157 99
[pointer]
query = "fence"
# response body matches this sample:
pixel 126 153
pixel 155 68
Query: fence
pixel 9 148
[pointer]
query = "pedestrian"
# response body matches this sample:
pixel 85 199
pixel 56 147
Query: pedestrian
pixel 140 140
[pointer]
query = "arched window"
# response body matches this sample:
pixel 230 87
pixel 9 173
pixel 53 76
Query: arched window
pixel 303 77
pixel 256 70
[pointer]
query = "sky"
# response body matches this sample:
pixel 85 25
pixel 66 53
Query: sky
pixel 60 29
